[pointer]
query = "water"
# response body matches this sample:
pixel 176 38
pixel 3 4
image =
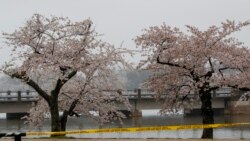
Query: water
pixel 150 118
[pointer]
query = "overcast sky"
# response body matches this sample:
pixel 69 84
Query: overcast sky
pixel 122 20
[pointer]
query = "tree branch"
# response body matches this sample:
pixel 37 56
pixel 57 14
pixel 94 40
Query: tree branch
pixel 213 88
pixel 72 107
pixel 60 82
pixel 41 92
pixel 221 69
pixel 208 74
pixel 32 83
pixel 171 64
pixel 211 64
pixel 225 68
pixel 240 88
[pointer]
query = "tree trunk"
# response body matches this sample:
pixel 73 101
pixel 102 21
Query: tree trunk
pixel 54 111
pixel 57 123
pixel 207 115
pixel 55 119
pixel 64 120
pixel 66 113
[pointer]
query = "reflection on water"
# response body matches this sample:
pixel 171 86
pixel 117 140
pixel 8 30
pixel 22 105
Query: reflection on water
pixel 146 120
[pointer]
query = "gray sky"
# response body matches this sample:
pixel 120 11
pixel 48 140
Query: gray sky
pixel 122 20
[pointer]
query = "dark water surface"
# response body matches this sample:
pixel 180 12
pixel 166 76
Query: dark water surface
pixel 239 132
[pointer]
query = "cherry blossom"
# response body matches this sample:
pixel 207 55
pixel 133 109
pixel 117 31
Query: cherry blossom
pixel 188 66
pixel 69 67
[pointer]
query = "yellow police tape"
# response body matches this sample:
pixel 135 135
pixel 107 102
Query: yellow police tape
pixel 138 129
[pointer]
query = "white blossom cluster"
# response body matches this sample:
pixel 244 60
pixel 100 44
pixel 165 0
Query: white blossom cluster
pixel 71 69
pixel 188 64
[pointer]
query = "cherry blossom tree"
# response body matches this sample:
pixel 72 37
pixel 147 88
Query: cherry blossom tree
pixel 69 67
pixel 189 66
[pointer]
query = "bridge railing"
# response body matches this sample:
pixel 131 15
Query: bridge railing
pixel 138 94
pixel 223 92
pixel 145 93
pixel 7 96
pixel 131 94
